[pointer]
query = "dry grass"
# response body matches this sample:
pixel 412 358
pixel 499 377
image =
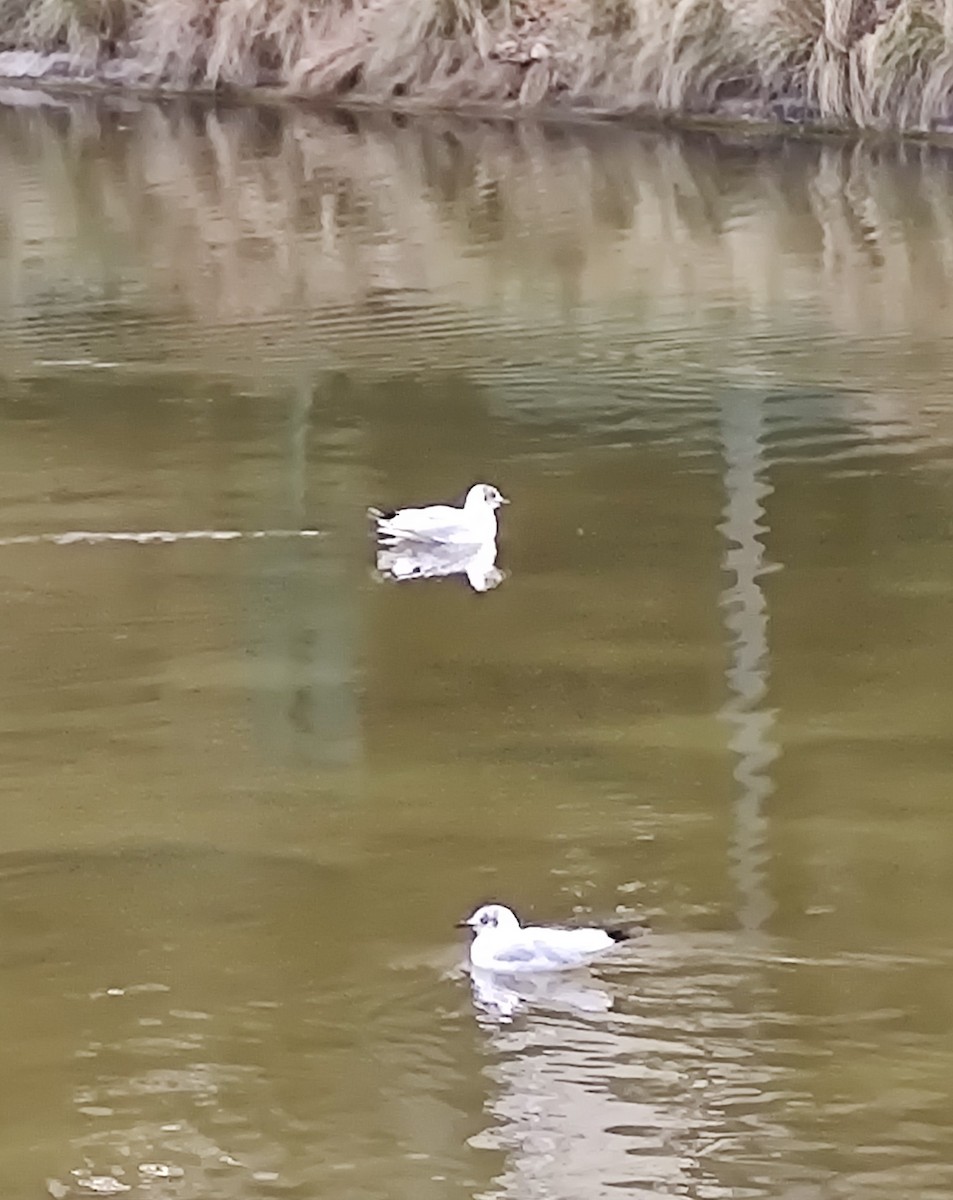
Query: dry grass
pixel 871 63
pixel 85 28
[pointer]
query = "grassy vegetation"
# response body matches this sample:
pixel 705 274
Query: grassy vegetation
pixel 871 63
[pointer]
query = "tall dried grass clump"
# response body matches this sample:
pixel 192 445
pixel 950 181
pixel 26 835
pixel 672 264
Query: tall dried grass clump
pixel 869 63
pixel 86 29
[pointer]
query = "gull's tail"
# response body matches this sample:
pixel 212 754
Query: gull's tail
pixel 625 933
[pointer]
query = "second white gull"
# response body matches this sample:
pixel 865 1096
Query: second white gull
pixel 503 944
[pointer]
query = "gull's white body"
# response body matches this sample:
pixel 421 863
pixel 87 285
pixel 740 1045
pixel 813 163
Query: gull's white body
pixel 501 944
pixel 442 524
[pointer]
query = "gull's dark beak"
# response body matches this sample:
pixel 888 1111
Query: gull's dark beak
pixel 462 925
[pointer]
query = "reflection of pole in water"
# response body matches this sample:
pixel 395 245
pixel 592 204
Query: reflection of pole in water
pixel 746 617
pixel 304 635
pixel 298 451
pixel 578 1106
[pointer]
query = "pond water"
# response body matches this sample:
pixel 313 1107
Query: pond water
pixel 249 785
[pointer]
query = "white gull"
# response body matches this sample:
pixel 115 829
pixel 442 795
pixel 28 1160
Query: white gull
pixel 503 944
pixel 444 524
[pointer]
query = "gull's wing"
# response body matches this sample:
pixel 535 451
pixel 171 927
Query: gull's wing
pixel 572 943
pixel 439 523
pixel 540 948
pixel 522 953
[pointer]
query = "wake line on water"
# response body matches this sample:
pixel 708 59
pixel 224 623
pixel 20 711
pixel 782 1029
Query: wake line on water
pixel 153 536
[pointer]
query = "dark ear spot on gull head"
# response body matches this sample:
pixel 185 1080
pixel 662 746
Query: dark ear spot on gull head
pixel 485 493
pixel 489 916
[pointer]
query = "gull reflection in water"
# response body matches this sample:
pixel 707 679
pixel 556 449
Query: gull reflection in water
pixel 416 560
pixel 583 1100
pixel 500 997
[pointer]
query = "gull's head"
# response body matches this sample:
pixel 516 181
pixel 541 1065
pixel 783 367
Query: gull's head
pixel 484 494
pixel 492 916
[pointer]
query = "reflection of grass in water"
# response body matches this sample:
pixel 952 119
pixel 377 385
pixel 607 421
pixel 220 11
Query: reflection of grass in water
pixel 220 200
pixel 266 243
pixel 873 62
pixel 241 220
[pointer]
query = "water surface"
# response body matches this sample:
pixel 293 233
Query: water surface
pixel 248 785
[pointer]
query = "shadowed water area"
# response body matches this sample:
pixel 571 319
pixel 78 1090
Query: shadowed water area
pixel 248 785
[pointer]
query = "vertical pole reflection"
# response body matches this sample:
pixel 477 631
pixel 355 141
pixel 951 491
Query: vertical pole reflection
pixel 584 1107
pixel 320 702
pixel 298 452
pixel 742 425
pixel 307 708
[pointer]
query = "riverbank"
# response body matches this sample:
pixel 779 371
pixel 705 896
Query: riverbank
pixel 865 64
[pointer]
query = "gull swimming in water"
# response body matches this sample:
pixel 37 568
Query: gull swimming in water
pixel 503 944
pixel 444 524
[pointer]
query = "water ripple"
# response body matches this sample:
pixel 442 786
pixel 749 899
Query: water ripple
pixel 153 536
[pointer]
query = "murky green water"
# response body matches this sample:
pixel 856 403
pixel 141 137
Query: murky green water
pixel 248 786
